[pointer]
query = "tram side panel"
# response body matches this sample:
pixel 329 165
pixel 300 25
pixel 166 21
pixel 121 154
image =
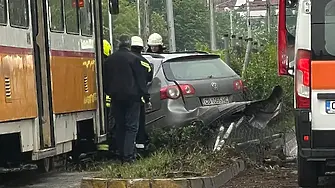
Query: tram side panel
pixel 72 73
pixel 18 100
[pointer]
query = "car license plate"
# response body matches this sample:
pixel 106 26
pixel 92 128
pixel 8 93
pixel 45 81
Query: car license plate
pixel 215 101
pixel 330 107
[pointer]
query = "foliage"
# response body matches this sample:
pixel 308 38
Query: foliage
pixel 126 21
pixel 261 76
pixel 191 23
pixel 167 164
pixel 185 138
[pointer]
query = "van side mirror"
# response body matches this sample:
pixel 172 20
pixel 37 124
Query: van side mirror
pixel 114 7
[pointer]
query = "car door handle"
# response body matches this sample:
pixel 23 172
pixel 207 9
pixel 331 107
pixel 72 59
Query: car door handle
pixel 326 96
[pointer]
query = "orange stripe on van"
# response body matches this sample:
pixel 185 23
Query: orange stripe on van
pixel 323 75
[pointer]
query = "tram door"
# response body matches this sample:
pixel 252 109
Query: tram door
pixel 42 68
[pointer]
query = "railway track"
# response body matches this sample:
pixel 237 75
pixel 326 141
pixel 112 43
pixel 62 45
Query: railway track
pixel 65 173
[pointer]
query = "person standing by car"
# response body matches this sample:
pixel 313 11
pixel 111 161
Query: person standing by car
pixel 125 82
pixel 155 43
pixel 142 136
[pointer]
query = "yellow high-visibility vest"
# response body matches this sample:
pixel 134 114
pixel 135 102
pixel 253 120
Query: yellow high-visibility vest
pixel 108 101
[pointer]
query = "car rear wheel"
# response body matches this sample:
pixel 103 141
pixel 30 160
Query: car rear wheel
pixel 307 173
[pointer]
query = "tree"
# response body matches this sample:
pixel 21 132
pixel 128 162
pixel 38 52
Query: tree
pixel 191 23
pixel 123 23
pixel 126 21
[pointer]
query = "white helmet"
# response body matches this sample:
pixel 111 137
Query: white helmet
pixel 136 41
pixel 155 39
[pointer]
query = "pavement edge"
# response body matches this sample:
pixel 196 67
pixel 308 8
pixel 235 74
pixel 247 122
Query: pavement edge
pixel 195 182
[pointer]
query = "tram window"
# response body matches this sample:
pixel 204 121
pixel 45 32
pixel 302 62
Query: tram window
pixel 71 17
pixel 86 18
pixel 18 13
pixel 56 15
pixel 3 12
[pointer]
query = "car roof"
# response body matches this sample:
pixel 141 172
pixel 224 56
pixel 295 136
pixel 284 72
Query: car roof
pixel 174 55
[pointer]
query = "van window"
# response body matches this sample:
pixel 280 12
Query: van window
pixel 3 12
pixel 197 69
pixel 18 13
pixel 329 24
pixel 56 15
pixel 71 16
pixel 291 19
pixel 323 27
pixel 86 18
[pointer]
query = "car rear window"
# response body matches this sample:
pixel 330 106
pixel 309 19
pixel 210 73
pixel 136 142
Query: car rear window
pixel 197 69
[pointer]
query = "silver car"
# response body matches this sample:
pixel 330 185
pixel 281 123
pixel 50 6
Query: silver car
pixel 184 81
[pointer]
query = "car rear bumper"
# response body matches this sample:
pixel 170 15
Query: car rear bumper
pixel 177 115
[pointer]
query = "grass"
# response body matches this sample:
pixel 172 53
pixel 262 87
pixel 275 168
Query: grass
pixel 168 164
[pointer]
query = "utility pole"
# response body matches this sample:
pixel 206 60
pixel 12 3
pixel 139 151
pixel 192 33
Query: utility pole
pixel 170 20
pixel 249 39
pixel 268 16
pixel 212 25
pixel 231 22
pixel 227 48
pixel 138 18
pixel 146 21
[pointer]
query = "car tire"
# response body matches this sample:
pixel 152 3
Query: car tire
pixel 307 173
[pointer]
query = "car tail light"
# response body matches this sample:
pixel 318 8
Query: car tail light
pixel 238 85
pixel 173 92
pixel 303 79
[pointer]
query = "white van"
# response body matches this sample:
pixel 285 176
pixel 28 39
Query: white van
pixel 308 55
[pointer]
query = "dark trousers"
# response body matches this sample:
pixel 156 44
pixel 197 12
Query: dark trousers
pixel 142 136
pixel 126 115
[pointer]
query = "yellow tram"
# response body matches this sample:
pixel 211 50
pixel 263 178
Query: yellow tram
pixel 51 102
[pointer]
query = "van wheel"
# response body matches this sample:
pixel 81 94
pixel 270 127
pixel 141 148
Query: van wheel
pixel 307 173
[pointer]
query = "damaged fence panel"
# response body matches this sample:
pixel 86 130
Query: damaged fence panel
pixel 243 125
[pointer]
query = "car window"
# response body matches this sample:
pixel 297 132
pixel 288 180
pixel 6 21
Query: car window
pixel 196 69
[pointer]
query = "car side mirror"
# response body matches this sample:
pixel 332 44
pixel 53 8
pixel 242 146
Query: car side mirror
pixel 114 7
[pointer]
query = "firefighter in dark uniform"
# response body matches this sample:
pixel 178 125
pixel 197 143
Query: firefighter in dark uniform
pixel 142 138
pixel 125 82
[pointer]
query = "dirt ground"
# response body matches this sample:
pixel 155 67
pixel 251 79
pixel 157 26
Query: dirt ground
pixel 285 177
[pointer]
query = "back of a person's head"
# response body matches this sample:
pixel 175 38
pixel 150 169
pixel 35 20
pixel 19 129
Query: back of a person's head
pixel 124 41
